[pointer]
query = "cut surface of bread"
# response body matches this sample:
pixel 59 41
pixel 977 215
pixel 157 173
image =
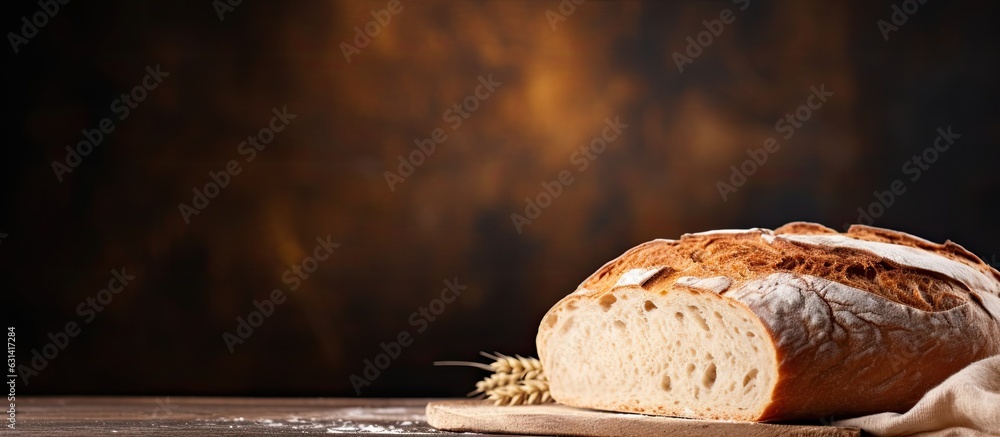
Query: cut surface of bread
pixel 801 322
pixel 689 350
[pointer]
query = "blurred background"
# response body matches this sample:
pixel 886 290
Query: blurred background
pixel 562 69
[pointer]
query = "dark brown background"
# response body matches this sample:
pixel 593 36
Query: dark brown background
pixel 324 174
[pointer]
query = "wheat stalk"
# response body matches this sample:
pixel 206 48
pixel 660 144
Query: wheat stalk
pixel 516 380
pixel 525 392
pixel 496 380
pixel 516 364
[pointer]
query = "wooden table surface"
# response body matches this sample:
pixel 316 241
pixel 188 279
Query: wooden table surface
pixel 206 416
pixel 203 416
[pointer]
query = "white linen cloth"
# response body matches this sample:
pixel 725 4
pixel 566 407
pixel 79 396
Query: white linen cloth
pixel 965 404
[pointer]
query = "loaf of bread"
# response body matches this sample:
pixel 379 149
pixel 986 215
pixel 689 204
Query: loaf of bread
pixel 801 322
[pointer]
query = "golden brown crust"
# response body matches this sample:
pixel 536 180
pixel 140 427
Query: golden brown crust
pixel 949 249
pixel 804 228
pixel 745 256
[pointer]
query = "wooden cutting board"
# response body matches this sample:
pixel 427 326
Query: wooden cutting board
pixel 483 416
